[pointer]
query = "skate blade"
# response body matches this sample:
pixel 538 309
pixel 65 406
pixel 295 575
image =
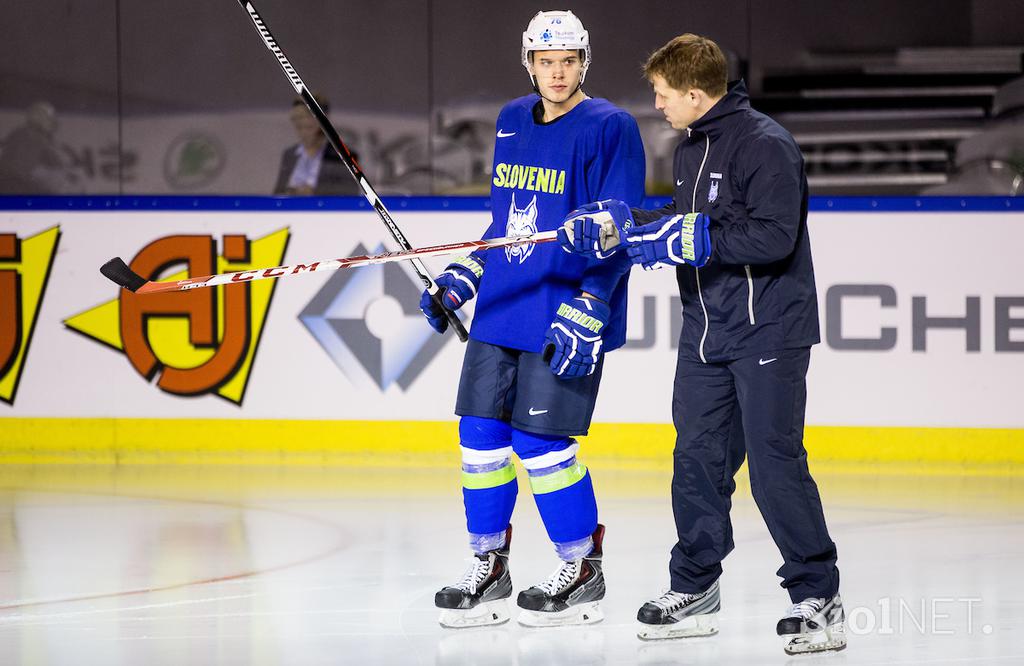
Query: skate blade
pixel 694 626
pixel 485 614
pixel 587 613
pixel 819 641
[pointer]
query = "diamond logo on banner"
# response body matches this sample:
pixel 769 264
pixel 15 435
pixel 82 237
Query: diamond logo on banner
pixel 368 321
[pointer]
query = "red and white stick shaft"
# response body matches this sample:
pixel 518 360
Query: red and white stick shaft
pixel 336 264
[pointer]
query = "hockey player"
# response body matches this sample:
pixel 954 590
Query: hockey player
pixel 737 234
pixel 543 320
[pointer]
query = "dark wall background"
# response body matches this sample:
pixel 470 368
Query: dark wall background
pixel 205 54
pixel 115 60
pixel 64 50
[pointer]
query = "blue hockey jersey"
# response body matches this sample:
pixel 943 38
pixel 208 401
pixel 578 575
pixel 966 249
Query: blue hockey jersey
pixel 541 172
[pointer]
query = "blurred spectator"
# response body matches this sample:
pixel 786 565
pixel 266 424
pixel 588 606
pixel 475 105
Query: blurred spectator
pixel 311 166
pixel 30 162
pixel 992 161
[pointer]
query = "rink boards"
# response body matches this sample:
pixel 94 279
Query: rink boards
pixel 921 304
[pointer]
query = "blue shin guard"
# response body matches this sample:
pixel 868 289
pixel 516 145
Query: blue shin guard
pixel 562 489
pixel 488 480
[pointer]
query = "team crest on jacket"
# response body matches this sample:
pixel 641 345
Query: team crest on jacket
pixel 521 222
pixel 713 192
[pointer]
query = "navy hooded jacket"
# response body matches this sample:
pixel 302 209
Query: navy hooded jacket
pixel 756 294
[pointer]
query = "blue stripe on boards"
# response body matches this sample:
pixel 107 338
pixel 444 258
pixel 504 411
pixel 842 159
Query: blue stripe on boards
pixel 442 203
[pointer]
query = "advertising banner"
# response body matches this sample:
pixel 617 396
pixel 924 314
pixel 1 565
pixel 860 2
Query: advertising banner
pixel 922 320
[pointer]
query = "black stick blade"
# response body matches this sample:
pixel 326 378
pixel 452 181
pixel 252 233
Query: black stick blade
pixel 118 272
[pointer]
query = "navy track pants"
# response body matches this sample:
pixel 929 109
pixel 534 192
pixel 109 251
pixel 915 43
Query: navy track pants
pixel 751 407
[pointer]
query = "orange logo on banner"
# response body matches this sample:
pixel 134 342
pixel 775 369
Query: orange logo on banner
pixel 199 341
pixel 24 271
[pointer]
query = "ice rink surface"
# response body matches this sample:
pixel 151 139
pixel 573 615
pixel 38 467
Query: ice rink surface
pixel 220 565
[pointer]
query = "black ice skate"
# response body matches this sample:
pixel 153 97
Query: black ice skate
pixel 480 597
pixel 570 595
pixel 814 625
pixel 679 615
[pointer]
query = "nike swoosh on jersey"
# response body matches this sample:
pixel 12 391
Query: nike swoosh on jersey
pixel 679 183
pixel 502 134
pixel 537 412
pixel 761 361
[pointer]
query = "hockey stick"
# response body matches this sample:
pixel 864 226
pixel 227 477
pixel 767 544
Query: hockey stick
pixel 346 155
pixel 118 271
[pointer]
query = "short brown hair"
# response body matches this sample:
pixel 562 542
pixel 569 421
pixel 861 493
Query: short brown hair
pixel 690 61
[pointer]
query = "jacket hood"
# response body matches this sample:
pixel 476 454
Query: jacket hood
pixel 735 100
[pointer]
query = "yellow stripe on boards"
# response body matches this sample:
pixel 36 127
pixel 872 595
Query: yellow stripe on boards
pixel 229 441
pixel 435 443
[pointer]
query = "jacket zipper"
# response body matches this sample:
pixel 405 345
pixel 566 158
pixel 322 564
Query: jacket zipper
pixel 750 295
pixel 693 209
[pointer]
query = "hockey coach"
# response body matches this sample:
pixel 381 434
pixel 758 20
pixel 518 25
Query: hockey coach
pixel 736 234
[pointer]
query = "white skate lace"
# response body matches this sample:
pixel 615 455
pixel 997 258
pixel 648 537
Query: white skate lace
pixel 806 609
pixel 671 601
pixel 566 573
pixel 478 571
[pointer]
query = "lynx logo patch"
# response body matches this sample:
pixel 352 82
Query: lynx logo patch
pixel 713 193
pixel 521 222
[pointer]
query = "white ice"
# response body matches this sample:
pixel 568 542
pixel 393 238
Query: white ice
pixel 339 566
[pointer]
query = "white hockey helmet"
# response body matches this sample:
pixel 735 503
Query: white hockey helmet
pixel 556 31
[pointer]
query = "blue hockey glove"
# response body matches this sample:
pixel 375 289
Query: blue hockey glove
pixel 595 230
pixel 458 283
pixel 671 241
pixel 572 345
